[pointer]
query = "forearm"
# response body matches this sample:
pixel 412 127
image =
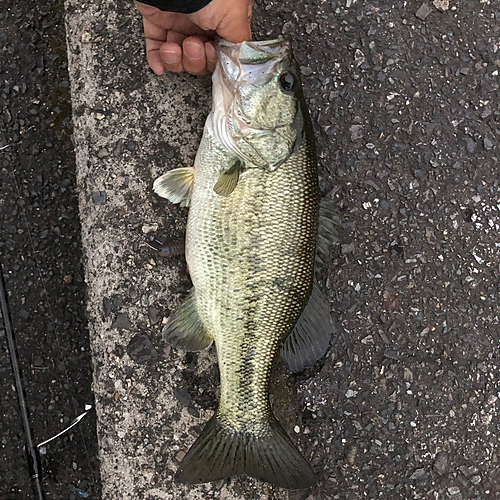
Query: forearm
pixel 180 6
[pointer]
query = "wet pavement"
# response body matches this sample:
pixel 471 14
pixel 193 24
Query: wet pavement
pixel 40 254
pixel 404 100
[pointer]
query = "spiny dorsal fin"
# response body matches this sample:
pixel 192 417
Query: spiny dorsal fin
pixel 270 456
pixel 310 338
pixel 176 185
pixel 184 328
pixel 228 180
pixel 329 230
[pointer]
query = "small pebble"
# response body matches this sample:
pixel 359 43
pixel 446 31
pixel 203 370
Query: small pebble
pixel 441 464
pixel 486 112
pixel 356 132
pixel 311 27
pixel 141 350
pixel 122 322
pixel 347 248
pixel 441 5
pixel 418 474
pixel 470 144
pixel 99 198
pixel 38 362
pixel 149 228
pixel 423 11
pixel 154 315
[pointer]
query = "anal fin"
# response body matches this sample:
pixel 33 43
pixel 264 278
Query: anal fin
pixel 310 338
pixel 184 328
pixel 176 185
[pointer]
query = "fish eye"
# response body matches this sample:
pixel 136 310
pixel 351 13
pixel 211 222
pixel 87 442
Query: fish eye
pixel 287 82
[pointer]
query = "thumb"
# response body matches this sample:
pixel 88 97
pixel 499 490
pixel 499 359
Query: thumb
pixel 235 25
pixel 230 19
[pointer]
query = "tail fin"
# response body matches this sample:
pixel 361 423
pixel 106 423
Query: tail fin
pixel 270 456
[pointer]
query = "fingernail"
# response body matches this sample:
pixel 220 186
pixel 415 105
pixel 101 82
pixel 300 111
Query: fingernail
pixel 193 50
pixel 210 51
pixel 171 57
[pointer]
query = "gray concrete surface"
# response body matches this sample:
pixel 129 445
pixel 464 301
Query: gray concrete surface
pixel 404 100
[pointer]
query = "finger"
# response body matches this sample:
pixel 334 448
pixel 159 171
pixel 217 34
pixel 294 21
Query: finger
pixel 154 57
pixel 154 39
pixel 193 56
pixel 176 37
pixel 211 56
pixel 171 52
pixel 171 56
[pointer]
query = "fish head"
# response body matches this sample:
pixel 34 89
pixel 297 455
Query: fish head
pixel 257 97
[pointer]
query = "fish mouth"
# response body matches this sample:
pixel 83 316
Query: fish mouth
pixel 250 61
pixel 246 63
pixel 255 60
pixel 254 52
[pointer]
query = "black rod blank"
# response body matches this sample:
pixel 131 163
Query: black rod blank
pixel 33 457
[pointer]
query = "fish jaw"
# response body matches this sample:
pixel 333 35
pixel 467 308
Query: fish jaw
pixel 251 68
pixel 255 61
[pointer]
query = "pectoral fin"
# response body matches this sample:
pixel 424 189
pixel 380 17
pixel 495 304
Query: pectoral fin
pixel 228 180
pixel 310 338
pixel 176 185
pixel 184 328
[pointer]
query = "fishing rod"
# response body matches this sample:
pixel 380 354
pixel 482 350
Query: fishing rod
pixel 34 466
pixel 33 452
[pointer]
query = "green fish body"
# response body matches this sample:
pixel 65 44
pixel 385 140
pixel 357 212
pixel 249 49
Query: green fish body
pixel 250 246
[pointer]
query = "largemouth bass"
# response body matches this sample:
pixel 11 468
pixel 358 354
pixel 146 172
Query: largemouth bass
pixel 250 247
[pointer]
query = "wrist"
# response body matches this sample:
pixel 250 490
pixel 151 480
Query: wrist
pixel 178 6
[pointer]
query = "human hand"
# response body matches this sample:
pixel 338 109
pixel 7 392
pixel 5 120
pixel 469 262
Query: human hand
pixel 185 42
